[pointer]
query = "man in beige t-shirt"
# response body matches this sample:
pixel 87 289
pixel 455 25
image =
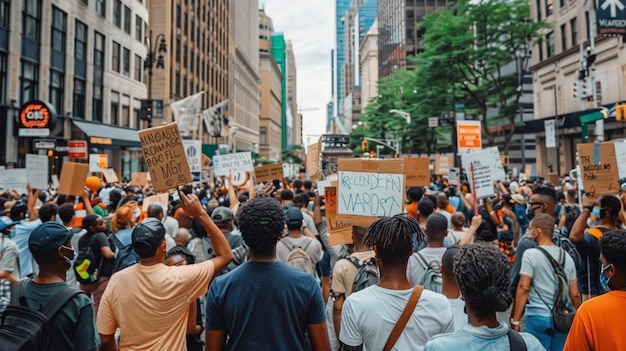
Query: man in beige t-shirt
pixel 344 273
pixel 149 301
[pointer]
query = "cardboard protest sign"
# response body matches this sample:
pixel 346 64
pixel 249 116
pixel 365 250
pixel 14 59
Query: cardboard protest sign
pixel 37 171
pixel 110 176
pixel 339 232
pixel 312 160
pixel 138 178
pixel 554 179
pixel 267 173
pixel 14 179
pixel 528 170
pixel 443 164
pixel 237 162
pixel 72 181
pixel 483 168
pixel 369 189
pixel 417 171
pixel 599 168
pixel 161 198
pixel 165 157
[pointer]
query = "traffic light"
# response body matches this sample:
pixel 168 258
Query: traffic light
pixel 50 152
pixel 576 91
pixel 145 113
pixel 372 154
pixel 364 145
pixel 583 89
pixel 620 112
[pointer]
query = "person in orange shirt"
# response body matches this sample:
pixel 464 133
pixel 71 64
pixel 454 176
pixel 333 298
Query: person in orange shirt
pixel 599 322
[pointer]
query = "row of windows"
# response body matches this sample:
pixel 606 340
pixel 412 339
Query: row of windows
pixel 568 35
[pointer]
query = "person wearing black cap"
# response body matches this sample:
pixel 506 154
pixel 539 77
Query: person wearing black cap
pixel 149 301
pixel 73 328
pixel 419 263
pixel 9 261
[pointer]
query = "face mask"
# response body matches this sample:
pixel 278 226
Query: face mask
pixel 530 213
pixel 70 261
pixel 603 280
pixel 596 212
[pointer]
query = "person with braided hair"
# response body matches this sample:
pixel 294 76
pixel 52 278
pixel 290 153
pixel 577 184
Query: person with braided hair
pixel 369 316
pixel 482 274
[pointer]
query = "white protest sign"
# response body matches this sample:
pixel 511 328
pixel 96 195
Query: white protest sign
pixel 193 151
pixel 98 162
pixel 322 185
pixel 237 162
pixel 620 156
pixel 369 194
pixel 483 168
pixel 14 179
pixel 37 167
pixel 287 170
pixel 454 176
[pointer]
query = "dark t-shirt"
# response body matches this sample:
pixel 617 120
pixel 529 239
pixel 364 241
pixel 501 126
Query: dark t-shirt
pixel 265 306
pixel 589 250
pixel 74 327
pixel 101 240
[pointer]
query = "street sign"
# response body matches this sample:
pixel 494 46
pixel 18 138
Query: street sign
pixel 77 148
pixel 611 17
pixel 433 122
pixel 39 132
pixel 44 144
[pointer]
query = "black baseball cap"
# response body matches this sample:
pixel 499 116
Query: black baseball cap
pixel 294 218
pixel 48 237
pixel 147 237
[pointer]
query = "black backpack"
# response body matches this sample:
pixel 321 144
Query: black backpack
pixel 561 239
pixel 25 329
pixel 125 256
pixel 571 214
pixel 86 268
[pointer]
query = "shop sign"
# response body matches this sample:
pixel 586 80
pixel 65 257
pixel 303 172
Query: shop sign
pixel 37 118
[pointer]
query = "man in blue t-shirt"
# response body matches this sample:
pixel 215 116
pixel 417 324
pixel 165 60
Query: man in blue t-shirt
pixel 265 304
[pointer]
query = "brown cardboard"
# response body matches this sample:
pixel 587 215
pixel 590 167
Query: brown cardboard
pixel 599 174
pixel 164 155
pixel 161 198
pixel 72 181
pixel 417 171
pixel 528 169
pixel 312 160
pixel 339 232
pixel 443 164
pixel 554 179
pixel 267 173
pixel 110 176
pixel 138 178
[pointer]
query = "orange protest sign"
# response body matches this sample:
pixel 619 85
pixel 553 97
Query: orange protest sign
pixel 468 136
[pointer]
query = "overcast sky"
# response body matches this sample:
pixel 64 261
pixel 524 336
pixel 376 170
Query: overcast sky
pixel 310 27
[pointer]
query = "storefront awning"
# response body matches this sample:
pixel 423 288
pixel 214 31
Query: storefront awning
pixel 107 136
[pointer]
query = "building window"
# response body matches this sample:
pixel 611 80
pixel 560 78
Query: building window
pixel 115 108
pixel 56 90
pixel 85 2
pixel 5 14
pixel 101 7
pixel 80 51
pixel 185 24
pixel 191 58
pixel 263 136
pixel 185 55
pixel 587 25
pixel 574 29
pixel 538 6
pixel 117 13
pixel 549 8
pixel 125 116
pixel 550 44
pixel 139 29
pixel 191 31
pixel 58 39
pixel 115 57
pixel 3 75
pixel 184 86
pixel 177 50
pixel 563 38
pixel 31 20
pixel 78 109
pixel 177 16
pixel 138 68
pixel 126 63
pixel 29 79
pixel 177 84
pixel 98 77
pixel 127 19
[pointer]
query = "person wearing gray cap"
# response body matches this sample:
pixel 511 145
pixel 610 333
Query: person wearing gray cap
pixel 429 257
pixel 149 301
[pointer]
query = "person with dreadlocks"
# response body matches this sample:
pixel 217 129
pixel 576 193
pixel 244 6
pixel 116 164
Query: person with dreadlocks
pixel 599 322
pixel 369 316
pixel 265 304
pixel 482 273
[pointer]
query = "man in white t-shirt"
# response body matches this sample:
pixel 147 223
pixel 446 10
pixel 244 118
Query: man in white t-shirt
pixel 368 316
pixel 436 230
pixel 295 239
pixel 450 287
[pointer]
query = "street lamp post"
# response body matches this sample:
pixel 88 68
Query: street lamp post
pixel 407 118
pixel 520 56
pixel 151 61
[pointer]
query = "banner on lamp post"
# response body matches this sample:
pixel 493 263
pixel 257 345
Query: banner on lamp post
pixel 187 112
pixel 550 127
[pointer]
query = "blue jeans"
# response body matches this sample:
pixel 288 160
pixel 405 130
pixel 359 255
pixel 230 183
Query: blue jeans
pixel 542 328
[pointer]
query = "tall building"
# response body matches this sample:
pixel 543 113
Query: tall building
pixel 572 56
pixel 341 6
pixel 369 65
pixel 197 34
pixel 279 51
pixel 292 96
pixel 244 76
pixel 399 33
pixel 84 59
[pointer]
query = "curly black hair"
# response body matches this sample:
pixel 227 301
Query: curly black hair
pixel 482 273
pixel 261 222
pixel 393 238
pixel 613 247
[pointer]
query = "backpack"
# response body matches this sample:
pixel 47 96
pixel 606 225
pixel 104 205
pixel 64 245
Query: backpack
pixel 125 256
pixel 509 235
pixel 562 240
pixel 366 273
pixel 298 258
pixel 571 214
pixel 86 269
pixel 433 279
pixel 563 310
pixel 25 329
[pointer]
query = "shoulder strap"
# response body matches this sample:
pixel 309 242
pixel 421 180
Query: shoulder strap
pixel 116 241
pixel 553 262
pixel 17 291
pixel 404 317
pixel 355 261
pixel 284 242
pixel 421 260
pixel 516 342
pixel 306 246
pixel 58 301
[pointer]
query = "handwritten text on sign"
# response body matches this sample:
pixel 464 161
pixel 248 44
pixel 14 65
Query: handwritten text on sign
pixel 370 194
pixel 238 162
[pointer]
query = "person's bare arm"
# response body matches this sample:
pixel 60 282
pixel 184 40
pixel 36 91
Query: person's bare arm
pixel 574 294
pixel 232 196
pixel 87 202
pixel 521 297
pixel 107 253
pixel 469 234
pixel 318 334
pixel 317 210
pixel 108 342
pixel 192 325
pixel 8 276
pixel 337 307
pixel 193 208
pixel 577 233
pixel 33 195
pixel 214 340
